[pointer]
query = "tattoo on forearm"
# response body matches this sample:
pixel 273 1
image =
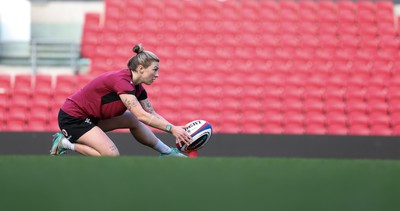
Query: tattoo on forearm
pixel 129 103
pixel 147 106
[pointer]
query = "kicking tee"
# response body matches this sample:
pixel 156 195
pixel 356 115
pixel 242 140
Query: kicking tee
pixel 99 99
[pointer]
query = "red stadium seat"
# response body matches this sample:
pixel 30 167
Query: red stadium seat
pixel 249 10
pixel 252 122
pixel 292 91
pixel 381 130
pixel 309 16
pixel 326 18
pixel 310 6
pixel 342 70
pixel 16 119
pixel 380 124
pixel 2 122
pixel 315 123
pixel 273 123
pixel 376 93
pixel 388 42
pixel 396 130
pixel 23 81
pixel 347 6
pixel 289 6
pixel 38 119
pixel 357 80
pixel 358 124
pixel 355 94
pixel 386 56
pixel 379 120
pixel 292 106
pixel 344 56
pixel 334 93
pixel 269 6
pixel 363 60
pixel 385 6
pixel 294 129
pixel 336 120
pixel 349 29
pixel 53 122
pixel 192 10
pixel 369 42
pixel 346 16
pixel 41 80
pixel 43 101
pixel 5 81
pixel 37 125
pixel 313 106
pixel 337 129
pixel 328 41
pixel 4 102
pixel 359 130
pixel 348 41
pixel 387 29
pixel 313 92
pixel 356 106
pixel 393 83
pixel 366 6
pixel 231 121
pixel 293 123
pixel 327 5
pixel 333 106
pixel 385 17
pixel 366 17
pixel 21 95
pixel 288 26
pixel 361 69
pixel 15 126
pixel 309 44
pixel 368 30
pixel 315 129
pixel 91 21
pixel 64 82
pixel 58 101
pixel 271 105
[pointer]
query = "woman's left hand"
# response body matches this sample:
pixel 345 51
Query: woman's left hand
pixel 181 135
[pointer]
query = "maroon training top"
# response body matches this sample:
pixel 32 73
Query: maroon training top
pixel 99 99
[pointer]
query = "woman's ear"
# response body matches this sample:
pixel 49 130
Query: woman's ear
pixel 140 68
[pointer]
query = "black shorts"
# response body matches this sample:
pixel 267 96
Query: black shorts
pixel 74 127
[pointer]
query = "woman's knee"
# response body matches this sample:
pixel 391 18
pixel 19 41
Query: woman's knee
pixel 112 151
pixel 99 141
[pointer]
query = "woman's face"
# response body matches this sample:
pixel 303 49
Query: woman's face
pixel 150 73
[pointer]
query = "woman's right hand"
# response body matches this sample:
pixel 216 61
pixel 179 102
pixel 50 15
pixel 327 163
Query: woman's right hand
pixel 181 135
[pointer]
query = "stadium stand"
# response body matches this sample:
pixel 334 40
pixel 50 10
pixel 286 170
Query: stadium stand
pixel 258 66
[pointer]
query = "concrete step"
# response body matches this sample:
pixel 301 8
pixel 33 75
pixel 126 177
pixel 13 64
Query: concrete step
pixel 54 62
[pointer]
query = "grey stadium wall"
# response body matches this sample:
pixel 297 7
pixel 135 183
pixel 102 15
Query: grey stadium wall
pixel 227 145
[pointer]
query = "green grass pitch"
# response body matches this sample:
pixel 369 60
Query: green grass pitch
pixel 152 183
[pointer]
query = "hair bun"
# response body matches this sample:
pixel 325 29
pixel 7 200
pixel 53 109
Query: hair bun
pixel 138 48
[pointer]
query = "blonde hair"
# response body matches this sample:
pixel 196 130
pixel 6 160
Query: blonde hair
pixel 142 57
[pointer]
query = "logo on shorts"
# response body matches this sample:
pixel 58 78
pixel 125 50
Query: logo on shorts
pixel 87 120
pixel 65 133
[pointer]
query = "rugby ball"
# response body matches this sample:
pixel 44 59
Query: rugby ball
pixel 201 132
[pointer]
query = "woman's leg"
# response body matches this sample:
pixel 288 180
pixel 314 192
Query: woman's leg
pixel 96 143
pixel 140 131
pixel 127 120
